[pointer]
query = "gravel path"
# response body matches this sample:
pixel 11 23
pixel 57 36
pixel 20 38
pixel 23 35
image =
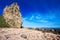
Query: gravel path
pixel 26 34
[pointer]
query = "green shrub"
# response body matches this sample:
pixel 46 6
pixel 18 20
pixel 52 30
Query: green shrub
pixel 3 24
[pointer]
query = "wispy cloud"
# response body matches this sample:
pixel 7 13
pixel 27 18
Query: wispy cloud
pixel 38 17
pixel 28 24
pixel 31 18
pixel 37 20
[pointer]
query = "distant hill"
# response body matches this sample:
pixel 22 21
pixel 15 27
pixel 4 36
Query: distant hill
pixel 3 23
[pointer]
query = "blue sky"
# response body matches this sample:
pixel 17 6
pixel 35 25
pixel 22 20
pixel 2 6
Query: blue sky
pixel 37 13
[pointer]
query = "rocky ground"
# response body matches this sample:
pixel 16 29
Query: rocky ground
pixel 26 34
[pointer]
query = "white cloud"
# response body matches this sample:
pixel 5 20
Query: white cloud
pixel 38 17
pixel 31 18
pixel 37 20
pixel 28 24
pixel 31 24
pixel 43 21
pixel 24 19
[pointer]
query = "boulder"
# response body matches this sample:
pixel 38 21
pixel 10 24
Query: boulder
pixel 12 15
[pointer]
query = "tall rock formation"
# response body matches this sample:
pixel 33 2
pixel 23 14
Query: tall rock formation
pixel 12 15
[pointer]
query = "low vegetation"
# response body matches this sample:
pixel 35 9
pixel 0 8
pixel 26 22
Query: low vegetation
pixel 3 24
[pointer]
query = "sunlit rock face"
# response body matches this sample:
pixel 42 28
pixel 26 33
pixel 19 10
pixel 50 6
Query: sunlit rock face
pixel 13 16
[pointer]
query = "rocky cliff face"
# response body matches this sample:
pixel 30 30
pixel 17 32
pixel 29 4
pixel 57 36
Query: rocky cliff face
pixel 12 15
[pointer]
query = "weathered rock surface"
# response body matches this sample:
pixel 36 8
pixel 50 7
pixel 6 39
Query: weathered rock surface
pixel 12 15
pixel 26 34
